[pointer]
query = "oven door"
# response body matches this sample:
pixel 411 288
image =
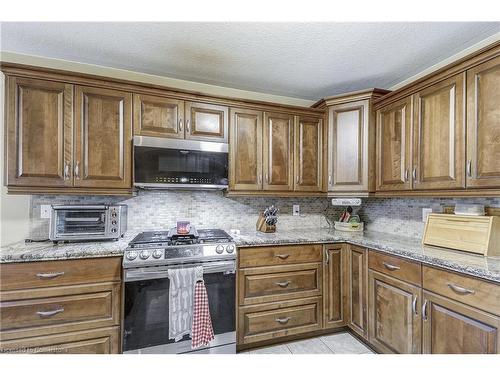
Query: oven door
pixel 147 310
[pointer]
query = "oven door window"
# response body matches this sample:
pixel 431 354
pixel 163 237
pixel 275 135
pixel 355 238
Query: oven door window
pixel 147 310
pixel 80 222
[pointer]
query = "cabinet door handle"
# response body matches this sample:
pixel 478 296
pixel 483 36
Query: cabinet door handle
pixel 414 306
pixel 283 284
pixel 66 170
pixel 188 126
pixel 424 311
pixel 50 275
pixel 46 314
pixel 282 256
pixel 267 178
pixel 327 256
pixel 406 175
pixel 283 320
pixel 180 125
pixel 460 290
pixel 329 180
pixel 469 168
pixel 260 178
pixel 391 267
pixel 77 170
pixel 414 174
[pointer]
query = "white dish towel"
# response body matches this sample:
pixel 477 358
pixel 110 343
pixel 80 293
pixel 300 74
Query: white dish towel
pixel 180 300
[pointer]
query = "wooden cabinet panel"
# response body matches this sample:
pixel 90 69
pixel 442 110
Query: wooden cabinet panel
pixel 308 154
pixel 483 125
pixel 245 141
pixel 279 255
pixel 103 139
pixel 39 136
pixel 357 270
pixel 348 146
pixel 450 327
pixel 268 321
pixel 439 144
pixel 277 283
pixel 396 267
pixel 335 286
pixel 394 323
pixel 207 122
pixel 158 116
pixel 394 146
pixel 278 151
pixel 97 341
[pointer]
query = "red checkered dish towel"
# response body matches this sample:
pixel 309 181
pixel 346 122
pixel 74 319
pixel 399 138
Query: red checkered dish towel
pixel 202 331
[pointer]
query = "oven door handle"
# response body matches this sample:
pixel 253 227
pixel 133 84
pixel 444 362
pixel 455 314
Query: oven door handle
pixel 227 267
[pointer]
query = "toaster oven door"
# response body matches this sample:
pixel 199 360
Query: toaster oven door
pixel 74 223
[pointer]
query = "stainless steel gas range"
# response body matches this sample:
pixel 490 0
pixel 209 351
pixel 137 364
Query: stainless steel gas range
pixel 146 262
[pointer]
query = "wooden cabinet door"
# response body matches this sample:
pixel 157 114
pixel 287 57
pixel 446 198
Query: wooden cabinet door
pixel 394 320
pixel 439 144
pixel 278 151
pixel 39 137
pixel 483 125
pixel 357 273
pixel 451 327
pixel 348 147
pixel 103 142
pixel 245 144
pixel 158 116
pixel 394 146
pixel 308 154
pixel 207 122
pixel 334 286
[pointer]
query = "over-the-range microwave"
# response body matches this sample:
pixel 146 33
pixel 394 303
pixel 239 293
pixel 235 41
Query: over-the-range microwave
pixel 164 163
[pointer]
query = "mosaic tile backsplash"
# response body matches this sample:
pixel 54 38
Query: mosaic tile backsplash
pixel 157 210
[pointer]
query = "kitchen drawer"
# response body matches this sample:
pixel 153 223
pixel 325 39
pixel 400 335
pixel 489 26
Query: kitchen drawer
pixel 52 310
pixel 279 255
pixel 57 273
pixel 276 283
pixel 269 321
pixel 96 341
pixel 396 267
pixel 473 292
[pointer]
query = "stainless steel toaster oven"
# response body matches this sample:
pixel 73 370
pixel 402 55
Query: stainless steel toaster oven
pixel 87 222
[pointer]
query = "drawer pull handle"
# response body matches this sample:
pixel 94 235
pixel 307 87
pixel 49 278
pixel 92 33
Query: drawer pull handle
pixel 282 256
pixel 46 314
pixel 390 267
pixel 283 284
pixel 283 320
pixel 460 290
pixel 50 275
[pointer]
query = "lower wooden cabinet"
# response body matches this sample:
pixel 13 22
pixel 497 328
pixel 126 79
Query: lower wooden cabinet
pixel 451 327
pixel 357 280
pixel 334 286
pixel 394 321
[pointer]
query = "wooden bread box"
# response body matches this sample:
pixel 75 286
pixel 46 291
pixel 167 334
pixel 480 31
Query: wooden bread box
pixel 474 234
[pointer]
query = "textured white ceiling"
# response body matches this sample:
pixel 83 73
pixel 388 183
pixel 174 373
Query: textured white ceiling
pixel 303 60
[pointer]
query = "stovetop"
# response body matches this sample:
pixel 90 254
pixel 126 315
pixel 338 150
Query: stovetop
pixel 171 238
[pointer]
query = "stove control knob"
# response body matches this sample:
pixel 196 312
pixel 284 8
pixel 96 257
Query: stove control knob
pixel 131 255
pixel 144 254
pixel 157 254
pixel 219 249
pixel 230 249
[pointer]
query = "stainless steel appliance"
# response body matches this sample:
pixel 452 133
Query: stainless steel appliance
pixel 146 313
pixel 87 222
pixel 163 163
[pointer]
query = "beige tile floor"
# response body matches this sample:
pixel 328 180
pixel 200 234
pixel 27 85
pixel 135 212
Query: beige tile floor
pixel 339 343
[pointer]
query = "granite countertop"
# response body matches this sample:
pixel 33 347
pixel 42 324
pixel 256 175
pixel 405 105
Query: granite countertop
pixel 470 264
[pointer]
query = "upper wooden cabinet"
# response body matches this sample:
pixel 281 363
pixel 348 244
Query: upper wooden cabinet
pixel 439 144
pixel 245 158
pixel 158 116
pixel 206 122
pixel 394 137
pixel 103 139
pixel 39 137
pixel 278 151
pixel 483 125
pixel 308 154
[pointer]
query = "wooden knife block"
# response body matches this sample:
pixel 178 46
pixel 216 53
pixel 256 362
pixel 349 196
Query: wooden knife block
pixel 263 227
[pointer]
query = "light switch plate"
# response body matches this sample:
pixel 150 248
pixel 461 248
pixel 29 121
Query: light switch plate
pixel 296 210
pixel 425 213
pixel 45 211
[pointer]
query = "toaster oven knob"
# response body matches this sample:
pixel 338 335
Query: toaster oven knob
pixel 144 254
pixel 157 254
pixel 230 249
pixel 219 249
pixel 114 222
pixel 131 255
pixel 113 214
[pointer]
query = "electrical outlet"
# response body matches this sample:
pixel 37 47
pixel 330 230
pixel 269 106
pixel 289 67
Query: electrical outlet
pixel 296 210
pixel 45 211
pixel 425 213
